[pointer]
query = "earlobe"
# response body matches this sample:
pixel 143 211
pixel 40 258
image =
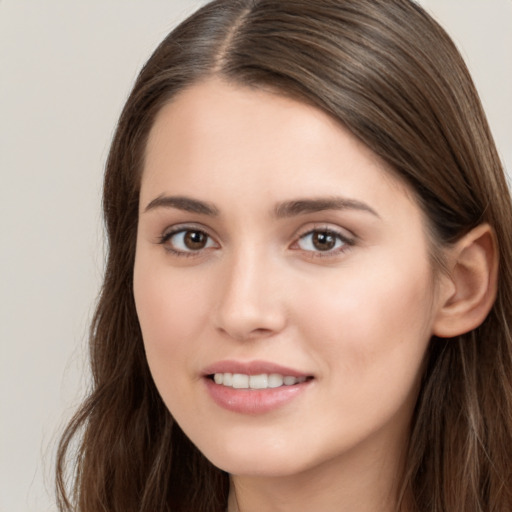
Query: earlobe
pixel 473 274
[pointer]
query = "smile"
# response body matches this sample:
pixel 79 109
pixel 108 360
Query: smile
pixel 254 387
pixel 262 381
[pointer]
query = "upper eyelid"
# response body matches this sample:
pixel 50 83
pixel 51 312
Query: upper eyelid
pixel 344 233
pixel 344 240
pixel 347 236
pixel 178 228
pixel 341 236
pixel 170 231
pixel 164 240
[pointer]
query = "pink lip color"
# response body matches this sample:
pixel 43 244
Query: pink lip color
pixel 251 368
pixel 252 401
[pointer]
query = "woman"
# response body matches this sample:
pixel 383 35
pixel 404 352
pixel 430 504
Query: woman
pixel 307 297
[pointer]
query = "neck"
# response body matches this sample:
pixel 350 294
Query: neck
pixel 347 484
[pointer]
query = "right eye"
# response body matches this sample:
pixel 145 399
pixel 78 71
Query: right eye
pixel 186 242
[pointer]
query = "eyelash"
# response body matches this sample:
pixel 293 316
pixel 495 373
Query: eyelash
pixel 166 237
pixel 346 242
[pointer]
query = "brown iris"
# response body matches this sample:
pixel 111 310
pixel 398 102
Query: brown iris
pixel 195 240
pixel 324 240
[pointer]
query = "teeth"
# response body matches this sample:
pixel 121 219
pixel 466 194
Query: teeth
pixel 289 381
pixel 263 381
pixel 258 381
pixel 275 380
pixel 240 381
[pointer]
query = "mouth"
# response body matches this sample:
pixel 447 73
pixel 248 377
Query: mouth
pixel 255 387
pixel 256 382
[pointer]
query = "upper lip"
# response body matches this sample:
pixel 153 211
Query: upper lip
pixel 252 368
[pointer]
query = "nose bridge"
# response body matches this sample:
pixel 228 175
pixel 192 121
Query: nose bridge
pixel 250 302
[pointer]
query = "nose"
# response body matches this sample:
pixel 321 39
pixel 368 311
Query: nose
pixel 251 303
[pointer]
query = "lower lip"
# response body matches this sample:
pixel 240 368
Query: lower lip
pixel 253 401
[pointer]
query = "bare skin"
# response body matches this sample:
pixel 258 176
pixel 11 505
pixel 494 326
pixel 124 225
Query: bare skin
pixel 269 235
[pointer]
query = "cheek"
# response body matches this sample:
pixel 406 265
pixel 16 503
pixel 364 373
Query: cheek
pixel 172 311
pixel 370 336
pixel 374 321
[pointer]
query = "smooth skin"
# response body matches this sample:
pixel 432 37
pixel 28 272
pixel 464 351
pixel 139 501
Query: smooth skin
pixel 268 232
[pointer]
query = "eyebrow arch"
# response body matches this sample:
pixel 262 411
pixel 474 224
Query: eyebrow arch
pixel 183 203
pixel 303 206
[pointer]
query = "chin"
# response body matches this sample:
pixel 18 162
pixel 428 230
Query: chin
pixel 257 461
pixel 258 468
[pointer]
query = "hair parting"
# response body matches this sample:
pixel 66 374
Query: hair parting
pixel 390 74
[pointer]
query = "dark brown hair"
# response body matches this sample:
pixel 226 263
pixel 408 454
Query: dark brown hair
pixel 391 75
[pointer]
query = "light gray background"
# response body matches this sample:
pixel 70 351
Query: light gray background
pixel 65 71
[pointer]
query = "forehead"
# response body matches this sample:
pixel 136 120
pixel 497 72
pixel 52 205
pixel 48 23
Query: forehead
pixel 207 110
pixel 255 141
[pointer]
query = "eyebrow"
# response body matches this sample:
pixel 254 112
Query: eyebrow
pixel 282 210
pixel 304 206
pixel 183 203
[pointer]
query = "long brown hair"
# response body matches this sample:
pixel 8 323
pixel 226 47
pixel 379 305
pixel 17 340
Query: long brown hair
pixel 391 75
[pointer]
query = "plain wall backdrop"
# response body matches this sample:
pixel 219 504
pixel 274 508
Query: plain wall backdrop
pixel 65 70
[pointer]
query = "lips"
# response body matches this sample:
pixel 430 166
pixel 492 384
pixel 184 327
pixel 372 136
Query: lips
pixel 254 387
pixel 252 368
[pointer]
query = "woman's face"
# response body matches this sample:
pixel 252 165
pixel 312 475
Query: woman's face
pixel 282 282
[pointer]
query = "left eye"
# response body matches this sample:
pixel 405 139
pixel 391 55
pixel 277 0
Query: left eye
pixel 321 241
pixel 188 240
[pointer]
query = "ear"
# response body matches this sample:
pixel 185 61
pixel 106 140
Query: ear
pixel 469 289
